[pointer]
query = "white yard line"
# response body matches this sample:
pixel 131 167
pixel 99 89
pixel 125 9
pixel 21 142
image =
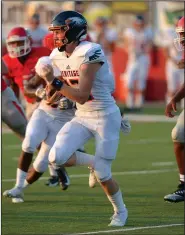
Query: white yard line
pixel 114 173
pixel 129 229
pixel 163 163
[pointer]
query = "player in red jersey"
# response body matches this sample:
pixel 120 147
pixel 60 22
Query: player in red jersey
pixel 12 112
pixel 21 60
pixel 178 131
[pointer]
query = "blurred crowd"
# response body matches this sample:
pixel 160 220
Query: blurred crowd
pixel 138 40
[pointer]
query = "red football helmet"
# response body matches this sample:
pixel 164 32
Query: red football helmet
pixel 48 41
pixel 180 39
pixel 18 42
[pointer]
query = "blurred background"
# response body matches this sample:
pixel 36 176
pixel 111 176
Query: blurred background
pixel 109 24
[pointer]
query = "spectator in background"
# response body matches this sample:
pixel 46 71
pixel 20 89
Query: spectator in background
pixel 105 36
pixel 174 75
pixel 137 43
pixel 36 31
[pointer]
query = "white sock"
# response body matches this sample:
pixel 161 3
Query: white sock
pixel 117 202
pixel 139 100
pixel 130 100
pixel 84 159
pixel 52 171
pixel 26 184
pixel 182 177
pixel 20 178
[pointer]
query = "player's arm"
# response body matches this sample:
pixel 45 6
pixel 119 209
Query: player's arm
pixel 31 85
pixel 87 76
pixel 180 94
pixel 81 94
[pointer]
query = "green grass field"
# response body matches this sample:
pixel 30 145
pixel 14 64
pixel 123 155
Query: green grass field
pixel 142 177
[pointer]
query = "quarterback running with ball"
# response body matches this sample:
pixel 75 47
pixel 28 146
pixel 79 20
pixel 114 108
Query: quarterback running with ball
pixel 86 79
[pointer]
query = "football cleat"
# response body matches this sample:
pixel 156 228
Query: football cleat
pixel 14 193
pixel 64 180
pixel 92 178
pixel 17 200
pixel 52 181
pixel 177 196
pixel 119 220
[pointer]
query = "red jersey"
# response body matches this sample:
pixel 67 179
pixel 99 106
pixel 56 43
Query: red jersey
pixel 19 72
pixel 3 84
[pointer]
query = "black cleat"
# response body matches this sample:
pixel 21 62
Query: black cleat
pixel 53 181
pixel 64 180
pixel 177 196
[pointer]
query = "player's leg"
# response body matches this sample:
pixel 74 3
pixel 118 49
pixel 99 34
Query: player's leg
pixel 63 150
pixel 107 140
pixel 144 63
pixel 12 113
pixel 30 108
pixel 178 140
pixel 131 73
pixel 36 132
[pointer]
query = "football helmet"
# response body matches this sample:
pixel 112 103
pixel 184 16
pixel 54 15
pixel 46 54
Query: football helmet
pixel 73 25
pixel 18 42
pixel 48 41
pixel 179 41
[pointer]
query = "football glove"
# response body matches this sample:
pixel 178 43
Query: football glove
pixel 52 96
pixel 41 93
pixel 125 126
pixel 65 103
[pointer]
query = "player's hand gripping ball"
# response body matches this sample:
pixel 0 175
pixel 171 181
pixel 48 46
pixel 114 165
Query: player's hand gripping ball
pixel 52 96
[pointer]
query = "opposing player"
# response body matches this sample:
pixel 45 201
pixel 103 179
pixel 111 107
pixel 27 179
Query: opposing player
pixel 12 112
pixel 90 83
pixel 174 75
pixel 137 42
pixel 43 127
pixel 21 60
pixel 178 131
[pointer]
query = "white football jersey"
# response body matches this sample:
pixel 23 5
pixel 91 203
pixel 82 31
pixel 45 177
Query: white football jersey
pixel 168 41
pixel 103 85
pixel 137 41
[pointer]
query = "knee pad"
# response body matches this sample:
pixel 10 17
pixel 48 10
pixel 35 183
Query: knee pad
pixel 30 144
pixel 59 156
pixel 178 134
pixel 102 169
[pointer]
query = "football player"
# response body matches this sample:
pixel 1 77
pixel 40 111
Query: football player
pixel 12 112
pixel 174 75
pixel 43 127
pixel 105 36
pixel 137 42
pixel 89 82
pixel 178 131
pixel 21 60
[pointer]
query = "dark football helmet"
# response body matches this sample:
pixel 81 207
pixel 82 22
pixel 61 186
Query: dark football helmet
pixel 73 24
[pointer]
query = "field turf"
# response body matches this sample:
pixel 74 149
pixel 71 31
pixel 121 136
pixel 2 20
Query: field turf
pixel 145 169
